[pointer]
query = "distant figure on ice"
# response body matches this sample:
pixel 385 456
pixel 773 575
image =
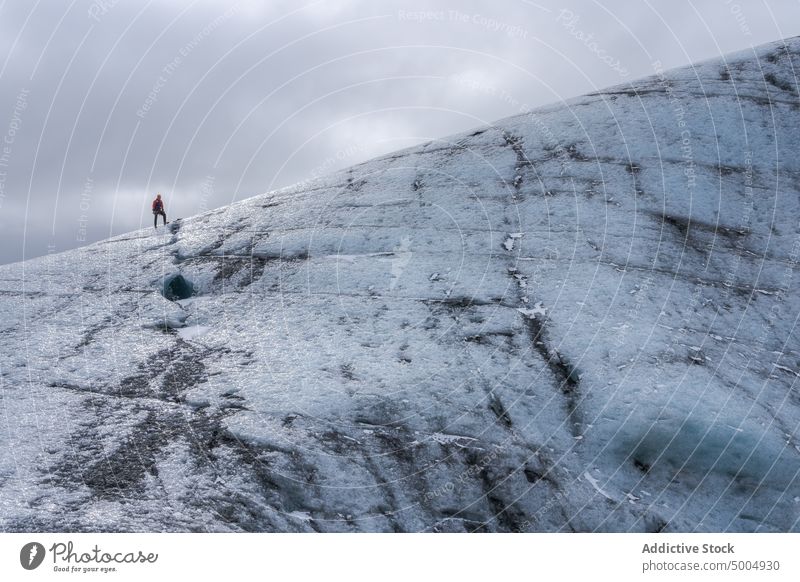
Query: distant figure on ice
pixel 158 209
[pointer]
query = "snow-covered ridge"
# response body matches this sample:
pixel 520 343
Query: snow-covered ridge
pixel 582 318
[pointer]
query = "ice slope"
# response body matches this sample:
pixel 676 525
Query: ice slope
pixel 581 318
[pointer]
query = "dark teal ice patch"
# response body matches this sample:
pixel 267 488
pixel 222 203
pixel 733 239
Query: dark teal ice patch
pixel 176 286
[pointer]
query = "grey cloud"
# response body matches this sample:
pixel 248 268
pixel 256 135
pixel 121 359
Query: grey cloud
pixel 269 94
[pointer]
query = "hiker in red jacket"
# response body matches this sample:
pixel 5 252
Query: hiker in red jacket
pixel 158 209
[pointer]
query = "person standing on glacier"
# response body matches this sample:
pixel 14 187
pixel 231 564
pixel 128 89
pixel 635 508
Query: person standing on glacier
pixel 158 209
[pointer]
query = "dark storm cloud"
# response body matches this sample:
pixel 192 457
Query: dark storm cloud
pixel 209 102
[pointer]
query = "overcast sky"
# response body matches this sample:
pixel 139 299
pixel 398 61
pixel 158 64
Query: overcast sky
pixel 105 102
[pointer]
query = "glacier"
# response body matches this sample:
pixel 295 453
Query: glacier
pixel 581 318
